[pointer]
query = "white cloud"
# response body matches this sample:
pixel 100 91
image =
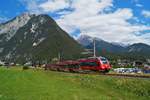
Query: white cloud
pixel 146 38
pixel 37 6
pixel 88 16
pixel 50 6
pixel 63 12
pixel 84 10
pixel 113 27
pixel 146 13
pixel 136 3
pixel 139 5
pixel 32 6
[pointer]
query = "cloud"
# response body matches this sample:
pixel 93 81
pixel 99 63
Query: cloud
pixel 139 5
pixel 136 3
pixel 113 27
pixel 51 6
pixel 83 10
pixel 146 13
pixel 90 18
pixel 30 5
pixel 64 12
pixel 44 6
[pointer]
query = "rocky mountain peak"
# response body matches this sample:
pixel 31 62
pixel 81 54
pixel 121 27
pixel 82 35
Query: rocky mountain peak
pixel 9 28
pixel 30 37
pixel 86 40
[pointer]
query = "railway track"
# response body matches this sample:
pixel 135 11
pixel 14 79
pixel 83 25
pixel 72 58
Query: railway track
pixel 109 74
pixel 120 75
pixel 129 75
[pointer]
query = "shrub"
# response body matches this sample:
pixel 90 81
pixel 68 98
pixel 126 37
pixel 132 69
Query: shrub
pixel 25 67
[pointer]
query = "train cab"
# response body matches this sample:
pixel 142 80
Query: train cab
pixel 104 64
pixel 95 64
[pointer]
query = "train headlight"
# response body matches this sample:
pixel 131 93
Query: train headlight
pixel 103 67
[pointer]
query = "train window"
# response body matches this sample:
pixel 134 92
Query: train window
pixel 88 64
pixel 104 60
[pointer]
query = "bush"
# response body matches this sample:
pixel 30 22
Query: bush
pixel 25 67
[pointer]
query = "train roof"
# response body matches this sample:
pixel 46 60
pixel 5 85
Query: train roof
pixel 93 58
pixel 97 57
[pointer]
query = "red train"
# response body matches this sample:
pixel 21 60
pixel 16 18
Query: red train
pixel 88 64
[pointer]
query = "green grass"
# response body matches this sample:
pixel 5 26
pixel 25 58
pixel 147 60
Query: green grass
pixel 18 84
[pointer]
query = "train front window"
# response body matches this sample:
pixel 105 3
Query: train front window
pixel 104 60
pixel 92 64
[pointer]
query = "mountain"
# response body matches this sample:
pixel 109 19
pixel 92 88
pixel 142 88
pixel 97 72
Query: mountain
pixel 85 40
pixel 32 37
pixel 117 50
pixel 139 49
pixel 101 45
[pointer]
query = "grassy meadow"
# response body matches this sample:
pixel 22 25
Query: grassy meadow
pixel 33 84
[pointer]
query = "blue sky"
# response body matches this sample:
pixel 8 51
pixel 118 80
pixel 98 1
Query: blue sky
pixel 125 21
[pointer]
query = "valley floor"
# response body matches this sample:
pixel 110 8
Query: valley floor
pixel 33 84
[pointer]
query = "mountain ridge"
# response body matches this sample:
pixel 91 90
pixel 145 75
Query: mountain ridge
pixel 39 39
pixel 104 48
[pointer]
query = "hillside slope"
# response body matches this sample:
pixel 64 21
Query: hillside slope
pixel 40 39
